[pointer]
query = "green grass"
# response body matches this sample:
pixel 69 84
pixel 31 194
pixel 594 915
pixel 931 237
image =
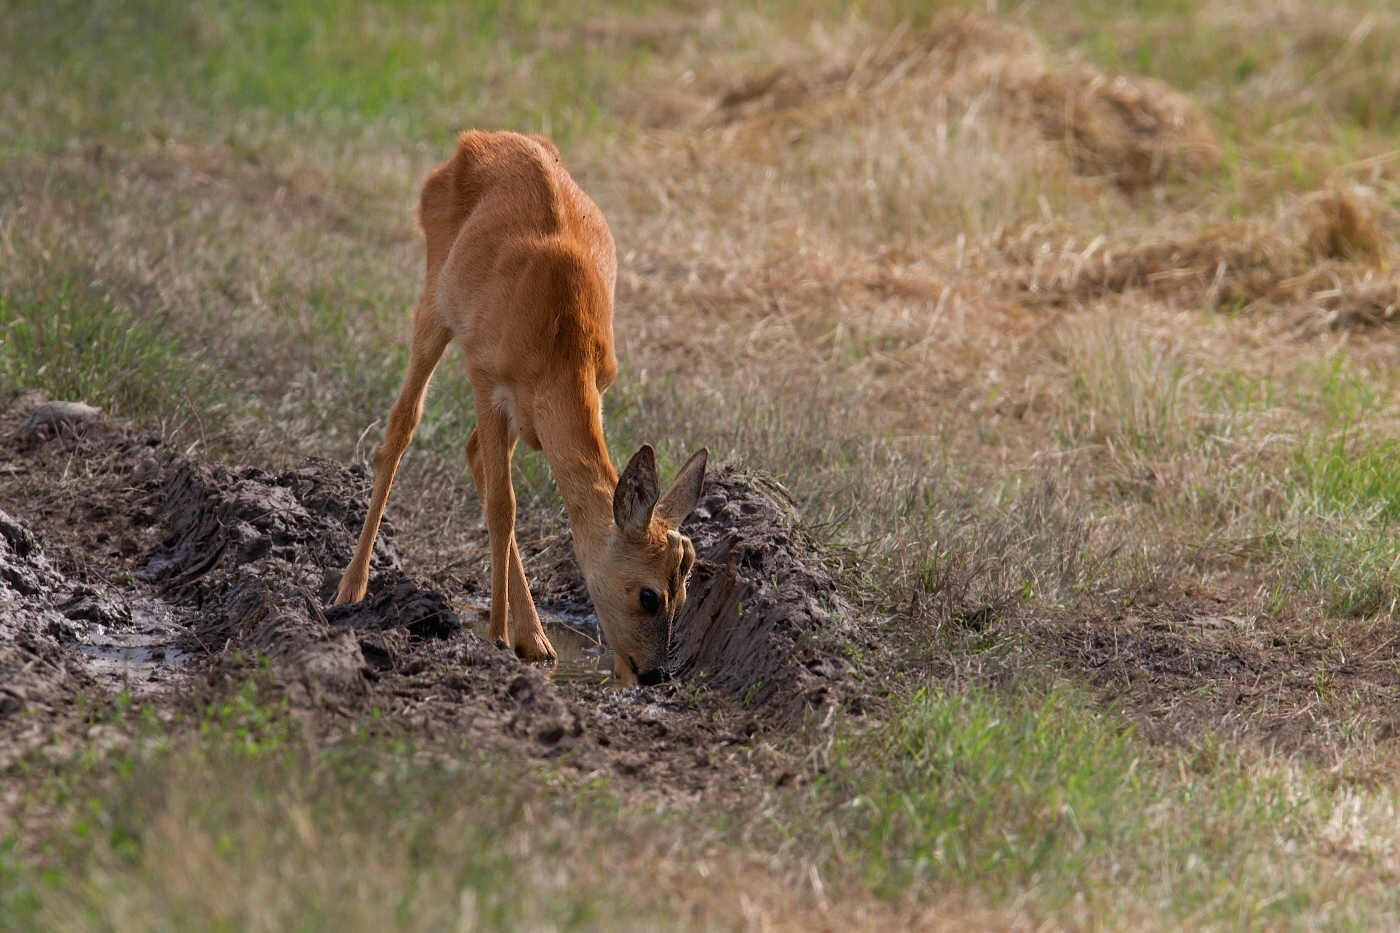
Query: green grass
pixel 1343 467
pixel 1023 795
pixel 76 340
pixel 1039 797
pixel 1341 478
pixel 1341 570
pixel 369 834
pixel 336 68
pixel 1350 474
pixel 976 785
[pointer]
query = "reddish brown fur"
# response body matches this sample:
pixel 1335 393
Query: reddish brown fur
pixel 520 271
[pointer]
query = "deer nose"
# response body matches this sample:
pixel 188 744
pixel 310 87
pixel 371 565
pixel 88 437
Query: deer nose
pixel 653 677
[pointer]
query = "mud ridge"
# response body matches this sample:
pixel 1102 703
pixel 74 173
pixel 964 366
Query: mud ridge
pixel 35 669
pixel 764 621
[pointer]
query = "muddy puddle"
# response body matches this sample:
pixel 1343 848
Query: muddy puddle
pixel 584 656
pixel 142 656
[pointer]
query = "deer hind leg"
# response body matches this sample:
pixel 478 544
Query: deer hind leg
pixel 489 453
pixel 430 338
pixel 498 630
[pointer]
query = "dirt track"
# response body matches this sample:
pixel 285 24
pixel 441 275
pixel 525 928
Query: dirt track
pixel 128 565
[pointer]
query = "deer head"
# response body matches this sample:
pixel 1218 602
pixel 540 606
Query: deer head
pixel 638 582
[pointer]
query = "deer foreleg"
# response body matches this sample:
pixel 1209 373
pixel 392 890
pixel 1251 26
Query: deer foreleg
pixel 531 643
pixel 429 340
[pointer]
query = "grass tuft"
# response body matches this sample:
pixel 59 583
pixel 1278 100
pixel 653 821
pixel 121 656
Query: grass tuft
pixel 1036 795
pixel 82 341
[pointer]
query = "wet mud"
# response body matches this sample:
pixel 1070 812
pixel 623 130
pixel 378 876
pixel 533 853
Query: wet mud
pixel 126 565
pixel 257 554
pixel 36 671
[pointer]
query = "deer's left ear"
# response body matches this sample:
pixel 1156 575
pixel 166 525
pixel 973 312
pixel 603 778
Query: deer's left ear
pixel 680 500
pixel 637 491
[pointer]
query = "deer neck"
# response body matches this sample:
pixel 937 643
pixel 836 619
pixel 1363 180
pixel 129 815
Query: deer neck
pixel 586 479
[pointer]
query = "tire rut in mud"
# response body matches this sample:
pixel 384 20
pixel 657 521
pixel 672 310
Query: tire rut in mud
pixel 245 560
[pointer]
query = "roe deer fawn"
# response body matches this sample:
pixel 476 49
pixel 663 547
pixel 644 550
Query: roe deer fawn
pixel 521 270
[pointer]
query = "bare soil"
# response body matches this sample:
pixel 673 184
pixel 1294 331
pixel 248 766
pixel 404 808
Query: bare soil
pixel 1191 670
pixel 128 565
pixel 1189 664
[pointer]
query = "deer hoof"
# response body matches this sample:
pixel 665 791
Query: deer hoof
pixel 535 650
pixel 350 590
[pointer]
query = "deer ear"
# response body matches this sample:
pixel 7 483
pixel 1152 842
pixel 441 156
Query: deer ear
pixel 680 500
pixel 637 491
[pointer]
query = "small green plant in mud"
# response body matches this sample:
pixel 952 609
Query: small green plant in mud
pixel 253 720
pixel 752 694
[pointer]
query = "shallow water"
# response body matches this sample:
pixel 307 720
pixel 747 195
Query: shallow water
pixel 578 641
pixel 140 657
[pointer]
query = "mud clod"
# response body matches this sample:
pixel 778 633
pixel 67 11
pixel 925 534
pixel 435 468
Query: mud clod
pixel 424 613
pixel 52 417
pixel 229 526
pixel 23 568
pixel 541 713
pixel 36 672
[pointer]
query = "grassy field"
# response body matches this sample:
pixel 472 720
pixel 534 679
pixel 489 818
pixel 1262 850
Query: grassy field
pixel 1071 325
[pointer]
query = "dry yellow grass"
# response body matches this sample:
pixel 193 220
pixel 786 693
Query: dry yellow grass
pixel 867 203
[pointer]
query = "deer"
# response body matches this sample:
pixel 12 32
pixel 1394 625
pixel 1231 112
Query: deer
pixel 521 270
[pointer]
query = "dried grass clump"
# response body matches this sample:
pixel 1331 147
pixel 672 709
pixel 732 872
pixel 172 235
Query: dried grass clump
pixel 1324 253
pixel 782 88
pixel 1340 224
pixel 1135 130
pixel 966 55
pixel 1239 259
pixel 1364 303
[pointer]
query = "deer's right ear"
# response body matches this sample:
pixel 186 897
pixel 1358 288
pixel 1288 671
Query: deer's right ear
pixel 637 491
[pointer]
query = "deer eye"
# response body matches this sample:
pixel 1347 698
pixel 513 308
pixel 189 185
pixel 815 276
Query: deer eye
pixel 651 603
